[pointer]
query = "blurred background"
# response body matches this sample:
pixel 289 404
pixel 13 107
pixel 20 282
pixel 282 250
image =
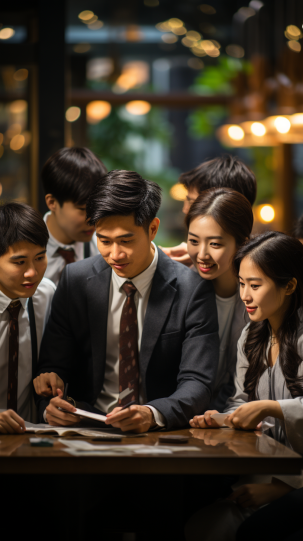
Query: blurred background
pixel 156 86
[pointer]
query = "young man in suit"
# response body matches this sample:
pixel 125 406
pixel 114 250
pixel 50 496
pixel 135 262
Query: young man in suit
pixel 222 172
pixel 68 177
pixel 25 301
pixel 131 325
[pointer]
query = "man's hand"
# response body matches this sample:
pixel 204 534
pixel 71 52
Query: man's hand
pixel 178 253
pixel 11 423
pixel 249 416
pixel 135 419
pixel 56 417
pixel 260 494
pixel 47 384
pixel 204 421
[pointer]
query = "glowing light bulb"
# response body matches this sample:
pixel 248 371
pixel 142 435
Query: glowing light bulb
pixel 236 133
pixel 258 129
pixel 97 110
pixel 282 124
pixel 267 213
pixel 138 107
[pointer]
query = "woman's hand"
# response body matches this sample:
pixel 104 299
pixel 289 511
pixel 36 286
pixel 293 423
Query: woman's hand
pixel 249 416
pixel 204 421
pixel 259 494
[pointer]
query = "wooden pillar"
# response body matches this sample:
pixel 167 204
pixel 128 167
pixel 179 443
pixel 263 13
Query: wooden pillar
pixel 284 188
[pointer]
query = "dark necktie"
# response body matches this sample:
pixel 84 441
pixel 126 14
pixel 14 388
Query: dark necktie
pixel 12 389
pixel 68 255
pixel 128 347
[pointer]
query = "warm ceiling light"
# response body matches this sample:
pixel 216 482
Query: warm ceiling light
pixel 72 114
pixel 138 107
pixel 18 106
pixel 178 192
pixel 297 119
pixel 21 75
pixel 169 38
pixel 6 33
pixel 293 31
pixel 17 142
pixel 282 124
pixel 97 111
pixel 81 48
pixel 193 35
pixel 236 133
pixel 294 45
pixel 236 51
pixel 205 8
pixel 258 129
pixel 133 74
pixel 267 213
pixel 175 23
pixel 86 15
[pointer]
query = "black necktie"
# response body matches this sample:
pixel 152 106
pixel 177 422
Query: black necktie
pixel 12 389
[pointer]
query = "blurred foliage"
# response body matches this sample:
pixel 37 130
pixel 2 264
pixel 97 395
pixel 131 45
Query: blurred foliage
pixel 122 143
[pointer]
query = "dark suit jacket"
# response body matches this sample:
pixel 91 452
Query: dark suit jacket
pixel 179 347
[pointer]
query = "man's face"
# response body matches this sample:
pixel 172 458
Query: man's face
pixel 71 219
pixel 125 246
pixel 22 268
pixel 192 195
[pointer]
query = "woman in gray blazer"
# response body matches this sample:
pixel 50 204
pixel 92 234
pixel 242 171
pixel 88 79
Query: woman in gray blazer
pixel 218 223
pixel 269 375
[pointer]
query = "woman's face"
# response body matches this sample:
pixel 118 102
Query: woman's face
pixel 210 247
pixel 263 299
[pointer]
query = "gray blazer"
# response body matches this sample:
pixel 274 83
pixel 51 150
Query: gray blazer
pixel 272 386
pixel 224 383
pixel 179 347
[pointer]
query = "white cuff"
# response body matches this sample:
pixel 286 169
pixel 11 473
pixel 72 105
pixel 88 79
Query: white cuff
pixel 160 421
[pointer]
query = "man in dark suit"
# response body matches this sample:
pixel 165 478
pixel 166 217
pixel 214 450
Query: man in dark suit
pixel 131 325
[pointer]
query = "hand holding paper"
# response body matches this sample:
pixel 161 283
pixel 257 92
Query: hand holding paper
pixel 205 421
pixel 59 412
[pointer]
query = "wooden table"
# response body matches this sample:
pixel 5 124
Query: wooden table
pixel 221 451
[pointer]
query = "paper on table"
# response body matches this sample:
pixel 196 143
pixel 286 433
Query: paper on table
pixel 90 415
pixel 69 431
pixel 220 418
pixel 83 448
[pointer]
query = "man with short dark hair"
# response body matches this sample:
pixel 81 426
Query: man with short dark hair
pixel 68 177
pixel 25 301
pixel 223 172
pixel 129 326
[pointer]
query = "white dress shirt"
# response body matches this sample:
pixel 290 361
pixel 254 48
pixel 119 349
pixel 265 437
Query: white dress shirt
pixel 109 396
pixel 42 304
pixel 56 263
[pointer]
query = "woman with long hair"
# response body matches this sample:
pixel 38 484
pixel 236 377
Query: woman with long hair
pixel 218 223
pixel 269 374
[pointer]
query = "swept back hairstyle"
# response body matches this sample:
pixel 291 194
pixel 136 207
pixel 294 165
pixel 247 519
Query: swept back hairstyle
pixel 223 172
pixel 279 257
pixel 124 193
pixel 298 229
pixel 71 173
pixel 19 222
pixel 230 209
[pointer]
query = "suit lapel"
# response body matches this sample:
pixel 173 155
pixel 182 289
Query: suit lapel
pixel 98 287
pixel 160 301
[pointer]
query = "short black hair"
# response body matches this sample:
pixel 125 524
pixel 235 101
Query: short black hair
pixel 223 172
pixel 298 229
pixel 122 193
pixel 71 173
pixel 20 222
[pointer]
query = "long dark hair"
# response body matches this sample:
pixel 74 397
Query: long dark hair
pixel 230 209
pixel 280 257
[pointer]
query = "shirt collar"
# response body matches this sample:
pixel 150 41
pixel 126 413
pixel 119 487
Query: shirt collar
pixel 143 280
pixel 53 244
pixel 5 302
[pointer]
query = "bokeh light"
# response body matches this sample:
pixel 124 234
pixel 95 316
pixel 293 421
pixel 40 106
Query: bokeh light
pixel 236 133
pixel 72 114
pixel 138 107
pixel 18 106
pixel 206 8
pixel 178 192
pixel 81 48
pixel 6 33
pixel 97 111
pixel 236 51
pixel 21 75
pixel 169 38
pixel 258 129
pixel 86 15
pixel 282 124
pixel 17 142
pixel 294 46
pixel 267 213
